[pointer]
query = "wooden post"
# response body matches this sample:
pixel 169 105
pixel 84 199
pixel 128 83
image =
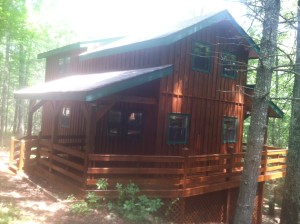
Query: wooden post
pixel 22 153
pixel 185 166
pixel 54 131
pixel 90 134
pixel 230 162
pixel 12 150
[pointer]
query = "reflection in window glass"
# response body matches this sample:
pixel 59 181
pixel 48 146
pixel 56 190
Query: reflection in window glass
pixel 178 125
pixel 230 129
pixel 65 118
pixel 134 124
pixel 228 65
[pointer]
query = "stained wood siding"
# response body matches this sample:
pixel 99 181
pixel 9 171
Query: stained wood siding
pixel 206 97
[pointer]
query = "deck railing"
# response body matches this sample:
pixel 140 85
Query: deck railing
pixel 180 176
pixel 163 176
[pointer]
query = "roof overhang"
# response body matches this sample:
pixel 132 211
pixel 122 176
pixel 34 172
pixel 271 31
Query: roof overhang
pixel 91 87
pixel 76 46
pixel 172 35
pixel 273 110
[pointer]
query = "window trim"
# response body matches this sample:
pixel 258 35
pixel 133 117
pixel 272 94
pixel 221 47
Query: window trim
pixel 64 64
pixel 222 65
pixel 186 140
pixel 224 141
pixel 194 56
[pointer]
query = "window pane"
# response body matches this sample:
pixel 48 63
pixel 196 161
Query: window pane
pixel 65 118
pixel 229 65
pixel 134 124
pixel 230 129
pixel 178 128
pixel 114 122
pixel 201 57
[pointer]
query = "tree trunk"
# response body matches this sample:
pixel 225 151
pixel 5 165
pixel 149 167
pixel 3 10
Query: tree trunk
pixel 4 89
pixel 20 103
pixel 291 189
pixel 248 186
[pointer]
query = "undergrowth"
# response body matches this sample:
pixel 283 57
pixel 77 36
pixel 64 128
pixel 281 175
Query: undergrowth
pixel 130 204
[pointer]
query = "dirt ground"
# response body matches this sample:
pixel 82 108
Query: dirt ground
pixel 24 202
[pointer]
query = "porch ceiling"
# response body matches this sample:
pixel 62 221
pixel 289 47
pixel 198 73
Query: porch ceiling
pixel 91 87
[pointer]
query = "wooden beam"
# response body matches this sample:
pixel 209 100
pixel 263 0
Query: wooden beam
pixel 104 110
pixel 90 129
pixel 139 100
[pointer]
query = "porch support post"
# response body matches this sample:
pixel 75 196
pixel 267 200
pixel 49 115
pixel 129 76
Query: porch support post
pixel 54 131
pixel 90 129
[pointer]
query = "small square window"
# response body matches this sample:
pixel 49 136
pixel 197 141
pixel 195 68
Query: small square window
pixel 228 65
pixel 178 128
pixel 230 125
pixel 201 60
pixel 114 122
pixel 65 118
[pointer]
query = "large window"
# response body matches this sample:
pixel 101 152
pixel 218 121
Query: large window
pixel 230 126
pixel 65 118
pixel 228 65
pixel 202 55
pixel 178 128
pixel 125 123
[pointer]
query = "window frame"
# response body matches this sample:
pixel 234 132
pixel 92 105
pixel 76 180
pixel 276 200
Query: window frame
pixel 224 131
pixel 187 128
pixel 195 56
pixel 124 124
pixel 224 63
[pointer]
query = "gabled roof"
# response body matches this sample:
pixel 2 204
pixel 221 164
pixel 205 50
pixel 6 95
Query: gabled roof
pixel 171 35
pixel 84 44
pixel 91 87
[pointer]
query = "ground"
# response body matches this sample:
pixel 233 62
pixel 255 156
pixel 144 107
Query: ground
pixel 25 202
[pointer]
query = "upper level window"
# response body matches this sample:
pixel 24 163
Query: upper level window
pixel 127 123
pixel 178 128
pixel 228 65
pixel 202 55
pixel 230 126
pixel 65 118
pixel 64 64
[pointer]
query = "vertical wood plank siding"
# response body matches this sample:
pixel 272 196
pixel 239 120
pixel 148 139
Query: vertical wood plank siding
pixel 206 97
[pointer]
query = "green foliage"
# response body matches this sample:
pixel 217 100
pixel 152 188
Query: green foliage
pixel 136 208
pixel 80 208
pixel 10 214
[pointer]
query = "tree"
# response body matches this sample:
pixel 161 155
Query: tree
pixel 255 141
pixel 291 193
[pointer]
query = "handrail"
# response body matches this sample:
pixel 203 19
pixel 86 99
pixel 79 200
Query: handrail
pixel 187 174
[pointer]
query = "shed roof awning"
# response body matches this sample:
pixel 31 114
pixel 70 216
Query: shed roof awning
pixel 273 110
pixel 91 87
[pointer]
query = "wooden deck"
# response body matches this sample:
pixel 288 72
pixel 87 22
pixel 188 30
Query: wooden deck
pixel 163 176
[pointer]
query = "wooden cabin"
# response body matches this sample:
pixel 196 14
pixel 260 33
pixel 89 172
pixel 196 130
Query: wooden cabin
pixel 162 110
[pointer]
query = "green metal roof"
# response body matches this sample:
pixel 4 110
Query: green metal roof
pixel 91 87
pixel 169 36
pixel 77 45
